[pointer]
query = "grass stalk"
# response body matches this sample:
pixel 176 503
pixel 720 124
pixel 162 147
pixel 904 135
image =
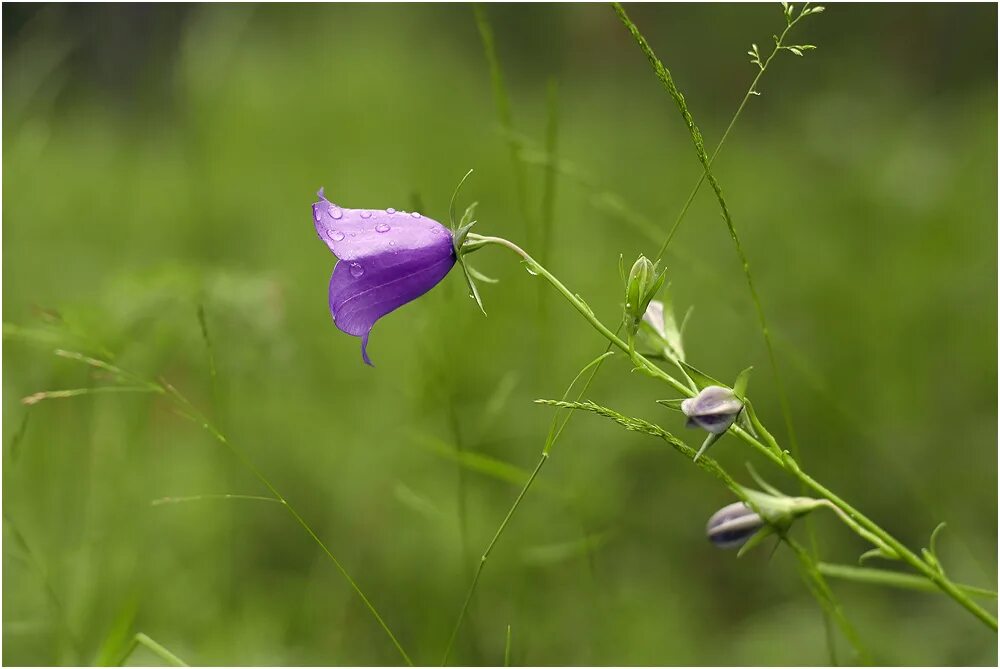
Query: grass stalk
pixel 555 431
pixel 187 409
pixel 157 649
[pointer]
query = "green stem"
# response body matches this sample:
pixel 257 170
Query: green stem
pixel 751 91
pixel 823 594
pixel 198 417
pixel 663 74
pixel 555 431
pixel 783 460
pixel 894 579
pixel 486 555
pixel 141 639
pixel 908 556
pixel 476 241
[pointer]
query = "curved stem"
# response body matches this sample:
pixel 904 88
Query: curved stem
pixel 783 460
pixel 893 579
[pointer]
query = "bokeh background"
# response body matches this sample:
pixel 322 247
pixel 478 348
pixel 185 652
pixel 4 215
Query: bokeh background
pixel 161 158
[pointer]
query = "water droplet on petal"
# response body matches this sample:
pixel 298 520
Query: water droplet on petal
pixel 336 235
pixel 390 210
pixel 382 227
pixel 317 215
pixel 415 215
pixel 366 214
pixel 392 243
pixel 357 270
pixel 336 213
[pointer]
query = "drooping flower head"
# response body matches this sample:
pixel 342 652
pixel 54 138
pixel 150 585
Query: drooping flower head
pixel 387 258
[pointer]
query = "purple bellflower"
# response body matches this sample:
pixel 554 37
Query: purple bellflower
pixel 387 258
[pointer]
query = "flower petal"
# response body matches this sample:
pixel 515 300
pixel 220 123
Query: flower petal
pixel 357 233
pixel 712 400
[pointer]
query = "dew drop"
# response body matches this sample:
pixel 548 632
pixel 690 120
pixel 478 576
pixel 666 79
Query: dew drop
pixel 366 214
pixel 390 210
pixel 382 227
pixel 317 215
pixel 336 235
pixel 336 213
pixel 392 243
pixel 415 215
pixel 357 270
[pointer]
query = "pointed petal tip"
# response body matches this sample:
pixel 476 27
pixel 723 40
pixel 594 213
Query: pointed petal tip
pixel 364 350
pixel 319 193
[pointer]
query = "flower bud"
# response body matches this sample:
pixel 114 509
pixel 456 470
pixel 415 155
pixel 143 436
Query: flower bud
pixel 713 409
pixel 733 525
pixel 642 285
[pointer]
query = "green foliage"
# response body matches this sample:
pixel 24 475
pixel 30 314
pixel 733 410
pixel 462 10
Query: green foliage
pixel 160 225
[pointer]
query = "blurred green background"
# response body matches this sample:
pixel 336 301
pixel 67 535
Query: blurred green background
pixel 158 158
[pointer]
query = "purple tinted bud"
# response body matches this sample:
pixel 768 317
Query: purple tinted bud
pixel 387 258
pixel 733 525
pixel 713 409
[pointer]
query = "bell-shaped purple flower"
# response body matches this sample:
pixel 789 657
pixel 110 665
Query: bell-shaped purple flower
pixel 714 409
pixel 387 258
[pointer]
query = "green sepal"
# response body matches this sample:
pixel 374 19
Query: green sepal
pixel 467 219
pixel 451 204
pixel 709 440
pixel 673 403
pixel 740 386
pixel 479 276
pixel 458 237
pixel 470 280
pixel 875 553
pixel 756 540
pixel 744 421
pixel 759 480
pixel 934 561
pixel 701 379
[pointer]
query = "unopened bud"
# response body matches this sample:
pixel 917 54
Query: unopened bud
pixel 642 285
pixel 733 525
pixel 714 409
